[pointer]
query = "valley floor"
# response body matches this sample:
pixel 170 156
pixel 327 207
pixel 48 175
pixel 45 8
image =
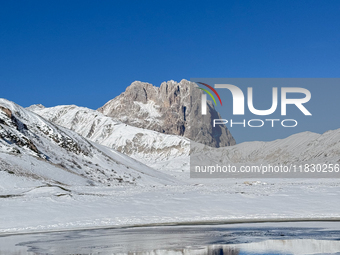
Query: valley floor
pixel 53 208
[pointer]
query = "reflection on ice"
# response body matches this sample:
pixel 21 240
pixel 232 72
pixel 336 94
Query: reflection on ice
pixel 211 250
pixel 243 239
pixel 293 247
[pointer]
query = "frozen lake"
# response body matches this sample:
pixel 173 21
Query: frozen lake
pixel 256 238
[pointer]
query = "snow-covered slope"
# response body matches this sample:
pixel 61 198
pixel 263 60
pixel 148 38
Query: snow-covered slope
pixel 35 151
pixel 159 150
pixel 39 161
pixel 301 147
pixel 143 144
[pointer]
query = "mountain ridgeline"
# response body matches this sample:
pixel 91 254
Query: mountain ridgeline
pixel 173 108
pixel 33 148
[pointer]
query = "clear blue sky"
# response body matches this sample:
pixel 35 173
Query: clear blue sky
pixel 88 52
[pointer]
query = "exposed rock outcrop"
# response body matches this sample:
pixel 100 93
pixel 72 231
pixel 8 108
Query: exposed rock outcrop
pixel 172 108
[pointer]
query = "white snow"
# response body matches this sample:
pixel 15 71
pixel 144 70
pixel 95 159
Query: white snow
pixel 150 108
pixel 64 156
pixel 45 209
pixel 39 195
pixel 142 144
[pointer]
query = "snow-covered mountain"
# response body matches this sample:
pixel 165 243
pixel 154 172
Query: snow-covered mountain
pixel 173 108
pixel 44 170
pixel 171 152
pixel 139 143
pixel 34 150
pixel 300 147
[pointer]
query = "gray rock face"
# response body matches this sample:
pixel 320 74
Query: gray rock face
pixel 172 108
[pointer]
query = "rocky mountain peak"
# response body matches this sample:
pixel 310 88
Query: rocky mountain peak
pixel 172 108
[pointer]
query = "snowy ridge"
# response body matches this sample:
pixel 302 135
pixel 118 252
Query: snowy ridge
pixel 34 149
pixel 305 147
pixel 142 144
pixel 159 150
